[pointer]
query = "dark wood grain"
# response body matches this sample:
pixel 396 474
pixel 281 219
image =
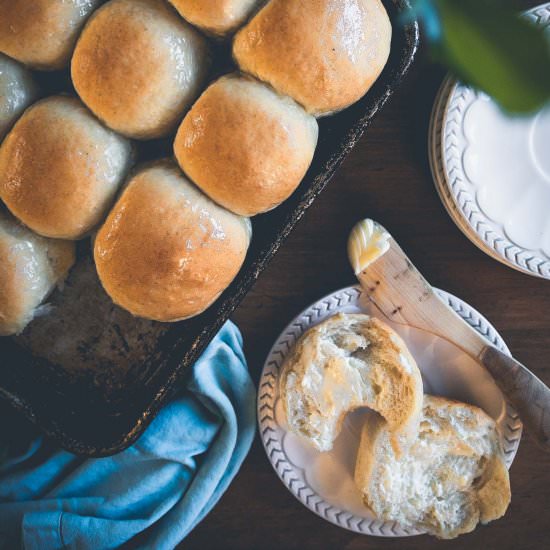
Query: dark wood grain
pixel 387 178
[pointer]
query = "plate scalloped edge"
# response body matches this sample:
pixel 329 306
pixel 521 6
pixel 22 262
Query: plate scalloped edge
pixel 437 168
pixel 292 476
pixel 451 103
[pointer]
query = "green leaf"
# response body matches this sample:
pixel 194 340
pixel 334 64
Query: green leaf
pixel 491 47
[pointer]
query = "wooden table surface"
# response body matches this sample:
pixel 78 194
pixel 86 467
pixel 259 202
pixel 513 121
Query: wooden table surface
pixel 386 177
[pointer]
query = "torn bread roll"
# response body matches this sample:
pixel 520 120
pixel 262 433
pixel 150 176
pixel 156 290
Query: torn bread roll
pixel 246 146
pixel 30 268
pixel 325 56
pixel 166 251
pixel 452 477
pixel 345 362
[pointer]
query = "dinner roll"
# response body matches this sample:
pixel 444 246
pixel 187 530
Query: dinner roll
pixel 218 17
pixel 166 251
pixel 30 267
pixel 326 56
pixel 138 66
pixel 17 91
pixel 42 33
pixel 452 476
pixel 60 168
pixel 345 362
pixel 244 145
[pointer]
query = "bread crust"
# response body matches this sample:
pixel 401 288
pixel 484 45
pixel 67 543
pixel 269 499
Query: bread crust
pixel 42 33
pixel 17 91
pixel 138 66
pixel 245 146
pixel 345 362
pixel 326 54
pixel 60 168
pixel 218 17
pixel 30 268
pixel 166 251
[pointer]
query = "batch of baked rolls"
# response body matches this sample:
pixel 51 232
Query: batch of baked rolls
pixel 168 236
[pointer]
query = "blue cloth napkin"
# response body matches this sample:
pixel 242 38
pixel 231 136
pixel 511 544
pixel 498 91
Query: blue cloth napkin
pixel 159 488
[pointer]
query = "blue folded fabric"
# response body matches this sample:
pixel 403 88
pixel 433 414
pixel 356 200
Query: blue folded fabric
pixel 154 492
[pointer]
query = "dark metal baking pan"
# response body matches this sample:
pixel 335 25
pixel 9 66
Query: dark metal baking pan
pixel 91 376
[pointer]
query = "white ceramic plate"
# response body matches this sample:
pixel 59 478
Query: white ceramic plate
pixel 437 166
pixel 493 173
pixel 324 481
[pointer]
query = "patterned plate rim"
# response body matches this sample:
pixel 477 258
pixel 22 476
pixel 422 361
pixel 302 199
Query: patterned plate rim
pixel 438 173
pixel 451 102
pixel 442 186
pixel 293 476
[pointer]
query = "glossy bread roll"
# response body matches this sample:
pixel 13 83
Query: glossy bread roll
pixel 17 91
pixel 218 17
pixel 30 268
pixel 244 145
pixel 138 66
pixel 166 251
pixel 326 56
pixel 42 33
pixel 60 168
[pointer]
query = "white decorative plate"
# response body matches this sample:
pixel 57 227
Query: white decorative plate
pixel 438 167
pixel 324 481
pixel 493 172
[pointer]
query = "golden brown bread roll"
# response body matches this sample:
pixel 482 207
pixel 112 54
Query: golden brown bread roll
pixel 17 91
pixel 30 268
pixel 166 251
pixel 244 145
pixel 325 56
pixel 218 17
pixel 138 66
pixel 42 33
pixel 60 168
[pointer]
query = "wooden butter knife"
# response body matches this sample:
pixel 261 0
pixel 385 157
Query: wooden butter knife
pixel 401 293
